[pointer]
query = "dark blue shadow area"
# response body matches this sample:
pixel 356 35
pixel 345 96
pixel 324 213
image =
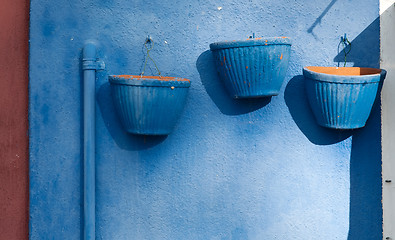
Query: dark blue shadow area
pixel 123 139
pixel 217 91
pixel 365 166
pixel 365 48
pixel 365 219
pixel 298 105
pixel 365 181
pixel 365 162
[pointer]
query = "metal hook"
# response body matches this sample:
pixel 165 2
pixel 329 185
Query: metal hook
pixel 346 43
pixel 150 41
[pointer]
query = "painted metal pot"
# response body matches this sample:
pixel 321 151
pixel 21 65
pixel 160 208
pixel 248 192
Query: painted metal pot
pixel 342 97
pixel 252 68
pixel 148 105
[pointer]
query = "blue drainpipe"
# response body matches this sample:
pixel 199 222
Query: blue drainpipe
pixel 89 66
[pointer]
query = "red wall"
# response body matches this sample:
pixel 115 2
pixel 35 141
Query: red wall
pixel 14 160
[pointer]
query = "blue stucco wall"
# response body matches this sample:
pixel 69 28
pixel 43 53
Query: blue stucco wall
pixel 232 169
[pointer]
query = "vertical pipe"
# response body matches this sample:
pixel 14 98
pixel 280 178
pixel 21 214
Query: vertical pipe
pixel 89 60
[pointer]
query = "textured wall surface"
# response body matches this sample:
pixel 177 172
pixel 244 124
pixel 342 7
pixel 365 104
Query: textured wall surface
pixel 232 169
pixel 14 161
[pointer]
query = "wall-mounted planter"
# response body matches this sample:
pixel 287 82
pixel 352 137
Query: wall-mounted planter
pixel 252 68
pixel 148 105
pixel 342 97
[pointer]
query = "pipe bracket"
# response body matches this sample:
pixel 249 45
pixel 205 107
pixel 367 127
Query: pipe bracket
pixel 93 64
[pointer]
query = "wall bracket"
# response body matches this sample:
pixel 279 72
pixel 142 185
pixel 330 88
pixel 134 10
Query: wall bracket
pixel 93 64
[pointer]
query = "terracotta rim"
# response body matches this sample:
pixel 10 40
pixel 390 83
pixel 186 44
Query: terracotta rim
pixel 251 42
pixel 139 77
pixel 344 71
pixel 264 38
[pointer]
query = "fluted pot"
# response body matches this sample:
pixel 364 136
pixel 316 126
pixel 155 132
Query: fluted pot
pixel 342 97
pixel 148 105
pixel 252 68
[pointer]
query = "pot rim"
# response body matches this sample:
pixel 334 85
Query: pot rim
pixel 158 81
pixel 250 42
pixel 329 74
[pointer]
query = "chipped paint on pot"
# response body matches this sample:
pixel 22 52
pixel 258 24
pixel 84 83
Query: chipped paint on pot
pixel 342 97
pixel 148 105
pixel 252 68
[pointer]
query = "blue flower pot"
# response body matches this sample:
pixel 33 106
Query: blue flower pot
pixel 342 97
pixel 148 105
pixel 252 68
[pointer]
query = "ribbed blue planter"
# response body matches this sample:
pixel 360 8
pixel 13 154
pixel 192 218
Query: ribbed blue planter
pixel 148 105
pixel 255 67
pixel 342 97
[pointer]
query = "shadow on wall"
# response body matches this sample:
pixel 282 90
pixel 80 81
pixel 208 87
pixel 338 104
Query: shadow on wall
pixel 365 215
pixel 365 167
pixel 113 124
pixel 365 163
pixel 365 48
pixel 298 105
pixel 319 19
pixel 217 92
pixel 365 181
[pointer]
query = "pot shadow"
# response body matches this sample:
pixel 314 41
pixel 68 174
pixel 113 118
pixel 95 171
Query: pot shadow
pixel 296 100
pixel 123 139
pixel 216 89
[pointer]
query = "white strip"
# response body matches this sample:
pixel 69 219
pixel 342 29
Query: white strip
pixel 387 56
pixel 385 4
